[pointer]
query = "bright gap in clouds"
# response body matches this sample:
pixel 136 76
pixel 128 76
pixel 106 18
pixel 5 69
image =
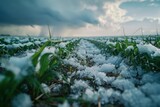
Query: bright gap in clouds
pixel 79 18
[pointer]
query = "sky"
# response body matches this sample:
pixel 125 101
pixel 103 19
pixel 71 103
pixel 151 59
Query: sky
pixel 79 17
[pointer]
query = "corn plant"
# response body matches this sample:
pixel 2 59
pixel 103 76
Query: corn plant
pixel 51 66
pixel 134 56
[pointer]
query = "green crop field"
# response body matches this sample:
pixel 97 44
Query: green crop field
pixel 88 72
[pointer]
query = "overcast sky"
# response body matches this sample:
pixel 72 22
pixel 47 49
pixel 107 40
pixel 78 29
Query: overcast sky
pixel 79 17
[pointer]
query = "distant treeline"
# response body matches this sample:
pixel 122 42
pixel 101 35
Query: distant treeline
pixel 5 35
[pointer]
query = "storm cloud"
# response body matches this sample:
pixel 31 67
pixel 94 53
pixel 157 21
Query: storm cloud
pixel 45 12
pixel 78 17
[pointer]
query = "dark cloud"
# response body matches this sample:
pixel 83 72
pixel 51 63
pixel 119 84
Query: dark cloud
pixel 44 12
pixel 72 15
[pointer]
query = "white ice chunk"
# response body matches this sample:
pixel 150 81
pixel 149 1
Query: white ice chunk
pixel 149 49
pixel 48 50
pixel 135 98
pixel 129 48
pixel 18 65
pixel 107 68
pixel 79 86
pixel 151 89
pixel 114 60
pixel 22 100
pixel 99 59
pixel 91 96
pixel 156 99
pixel 122 84
pixel 151 77
pixel 63 44
pixel 45 88
pixel 99 78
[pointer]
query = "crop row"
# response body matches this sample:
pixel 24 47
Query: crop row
pixel 15 48
pixel 46 69
pixel 137 54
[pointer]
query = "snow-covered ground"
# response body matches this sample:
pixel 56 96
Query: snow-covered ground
pixel 98 77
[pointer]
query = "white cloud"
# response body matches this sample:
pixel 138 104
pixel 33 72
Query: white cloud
pixel 114 16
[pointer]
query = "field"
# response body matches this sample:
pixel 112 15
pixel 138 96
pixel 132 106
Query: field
pixel 80 72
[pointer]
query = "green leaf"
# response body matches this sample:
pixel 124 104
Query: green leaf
pixel 44 63
pixel 38 53
pixel 34 85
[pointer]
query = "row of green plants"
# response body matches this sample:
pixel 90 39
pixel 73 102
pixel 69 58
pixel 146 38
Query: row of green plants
pixel 134 57
pixel 52 70
pixel 11 50
pixel 154 40
pixel 11 45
